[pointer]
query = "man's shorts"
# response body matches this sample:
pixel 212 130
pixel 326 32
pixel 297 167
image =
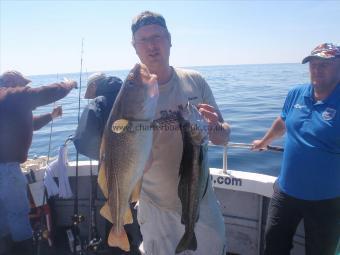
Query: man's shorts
pixel 162 230
pixel 14 205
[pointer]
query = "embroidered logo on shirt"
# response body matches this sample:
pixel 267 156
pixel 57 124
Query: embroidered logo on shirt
pixel 329 114
pixel 299 106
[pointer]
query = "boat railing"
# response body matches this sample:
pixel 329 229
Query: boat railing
pixel 243 146
pixel 225 147
pixel 248 146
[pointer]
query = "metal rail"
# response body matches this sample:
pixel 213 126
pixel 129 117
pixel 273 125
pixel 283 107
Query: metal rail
pixel 243 146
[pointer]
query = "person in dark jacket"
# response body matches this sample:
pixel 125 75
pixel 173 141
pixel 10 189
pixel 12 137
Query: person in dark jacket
pixel 102 90
pixel 105 89
pixel 17 101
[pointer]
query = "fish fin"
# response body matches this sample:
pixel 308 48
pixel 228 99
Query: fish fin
pixel 105 212
pixel 128 216
pixel 119 239
pixel 136 191
pixel 102 182
pixel 188 242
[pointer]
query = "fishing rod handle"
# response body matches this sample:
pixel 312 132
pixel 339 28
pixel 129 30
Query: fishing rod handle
pixel 275 148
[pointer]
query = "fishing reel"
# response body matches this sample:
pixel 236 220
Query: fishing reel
pixel 41 234
pixel 77 219
pixel 94 244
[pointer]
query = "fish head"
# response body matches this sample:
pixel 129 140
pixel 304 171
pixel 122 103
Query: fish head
pixel 139 95
pixel 194 124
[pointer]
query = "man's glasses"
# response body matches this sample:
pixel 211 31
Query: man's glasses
pixel 155 39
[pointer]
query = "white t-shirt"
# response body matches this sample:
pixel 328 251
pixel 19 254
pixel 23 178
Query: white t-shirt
pixel 160 180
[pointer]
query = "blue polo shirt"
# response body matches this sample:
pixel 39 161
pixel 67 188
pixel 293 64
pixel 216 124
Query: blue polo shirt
pixel 311 161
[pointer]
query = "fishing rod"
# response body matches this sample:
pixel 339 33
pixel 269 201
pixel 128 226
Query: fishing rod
pixel 50 140
pixel 77 218
pixel 95 240
pixel 45 211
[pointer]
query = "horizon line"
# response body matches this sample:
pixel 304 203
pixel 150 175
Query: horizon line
pixel 191 66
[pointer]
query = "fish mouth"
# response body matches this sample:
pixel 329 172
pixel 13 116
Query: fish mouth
pixel 194 123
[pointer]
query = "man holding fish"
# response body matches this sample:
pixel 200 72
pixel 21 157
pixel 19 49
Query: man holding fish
pixel 160 207
pixel 178 211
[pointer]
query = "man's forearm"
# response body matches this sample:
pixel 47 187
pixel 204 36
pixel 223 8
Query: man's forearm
pixel 277 130
pixel 41 120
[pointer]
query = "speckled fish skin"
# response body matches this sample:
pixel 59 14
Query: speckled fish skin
pixel 125 149
pixel 194 172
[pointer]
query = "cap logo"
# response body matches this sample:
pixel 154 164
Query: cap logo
pixel 329 114
pixel 324 51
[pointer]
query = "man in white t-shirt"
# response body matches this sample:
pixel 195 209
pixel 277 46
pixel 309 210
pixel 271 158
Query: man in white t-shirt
pixel 159 212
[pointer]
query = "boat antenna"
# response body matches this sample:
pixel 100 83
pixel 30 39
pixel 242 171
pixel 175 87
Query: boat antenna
pixel 77 218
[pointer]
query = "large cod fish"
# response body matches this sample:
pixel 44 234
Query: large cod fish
pixel 125 149
pixel 194 172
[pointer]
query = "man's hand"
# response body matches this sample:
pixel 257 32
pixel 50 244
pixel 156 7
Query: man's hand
pixel 259 145
pixel 277 130
pixel 70 83
pixel 208 112
pixel 57 111
pixel 218 132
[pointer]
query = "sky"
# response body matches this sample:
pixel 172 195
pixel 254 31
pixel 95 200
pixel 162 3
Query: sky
pixel 45 37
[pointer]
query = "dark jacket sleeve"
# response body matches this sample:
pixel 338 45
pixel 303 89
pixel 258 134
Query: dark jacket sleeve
pixel 41 120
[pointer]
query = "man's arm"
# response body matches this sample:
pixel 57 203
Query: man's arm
pixel 219 131
pixel 44 119
pixel 48 94
pixel 277 130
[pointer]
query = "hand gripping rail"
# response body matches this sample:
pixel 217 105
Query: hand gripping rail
pixel 245 146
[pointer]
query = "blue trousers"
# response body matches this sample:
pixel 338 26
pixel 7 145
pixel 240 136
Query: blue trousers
pixel 321 222
pixel 14 205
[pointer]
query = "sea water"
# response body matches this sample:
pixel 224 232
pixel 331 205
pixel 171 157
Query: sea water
pixel 250 97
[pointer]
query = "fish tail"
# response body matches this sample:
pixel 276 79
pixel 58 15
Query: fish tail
pixel 188 242
pixel 118 239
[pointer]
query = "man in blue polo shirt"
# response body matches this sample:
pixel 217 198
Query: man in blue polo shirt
pixel 308 186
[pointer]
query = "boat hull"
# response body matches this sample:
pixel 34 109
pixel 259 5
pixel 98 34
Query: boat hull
pixel 244 199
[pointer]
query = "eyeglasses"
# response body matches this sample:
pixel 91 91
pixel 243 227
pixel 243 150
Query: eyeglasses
pixel 155 39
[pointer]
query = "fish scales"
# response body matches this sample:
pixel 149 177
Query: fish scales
pixel 125 149
pixel 194 172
